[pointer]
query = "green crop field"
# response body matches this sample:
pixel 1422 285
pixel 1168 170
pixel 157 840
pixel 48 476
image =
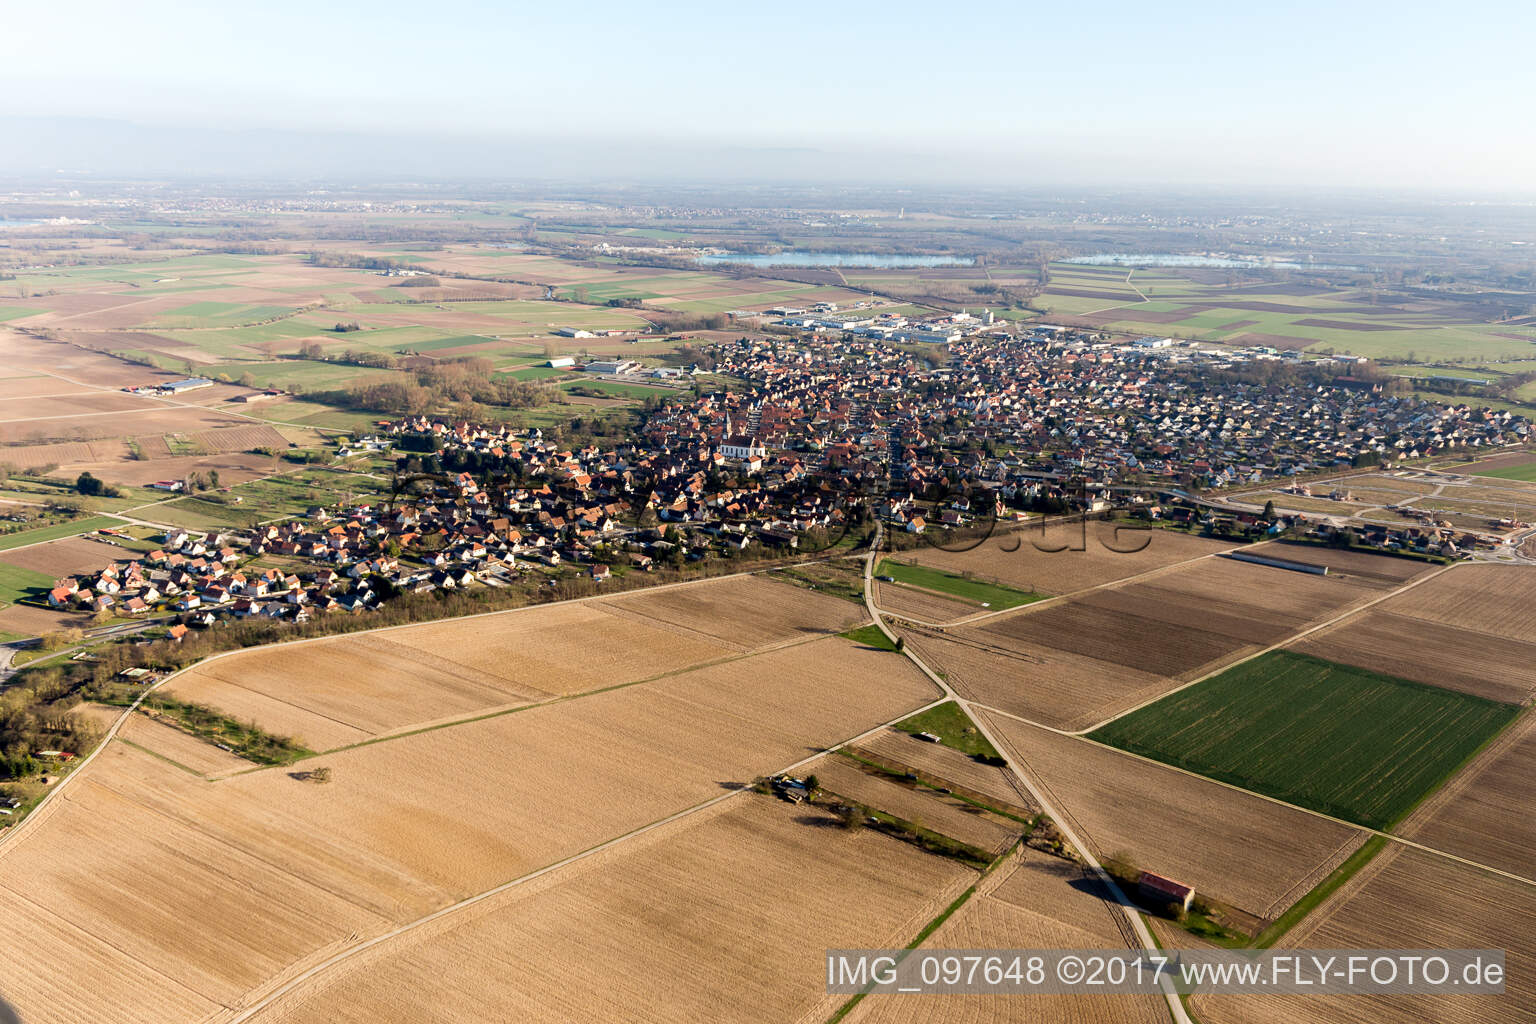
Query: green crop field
pixel 57 531
pixel 1345 741
pixel 17 312
pixel 1526 471
pixel 975 591
pixel 17 583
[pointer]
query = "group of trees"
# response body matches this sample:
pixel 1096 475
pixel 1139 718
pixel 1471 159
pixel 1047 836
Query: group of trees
pixel 461 385
pixel 90 486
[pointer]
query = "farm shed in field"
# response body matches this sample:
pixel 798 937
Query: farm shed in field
pixel 1157 890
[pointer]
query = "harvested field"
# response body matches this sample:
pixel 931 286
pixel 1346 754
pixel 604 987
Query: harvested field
pixel 1061 689
pixel 239 439
pixel 921 605
pixel 745 613
pixel 1063 572
pixel 1428 652
pixel 1492 599
pixel 926 807
pixel 1116 635
pixel 1453 906
pixel 64 557
pixel 1035 901
pixel 374 683
pixel 677 925
pixel 1344 741
pixel 30 621
pixel 1260 859
pixel 1487 813
pixel 218 887
pixel 901 749
pixel 165 740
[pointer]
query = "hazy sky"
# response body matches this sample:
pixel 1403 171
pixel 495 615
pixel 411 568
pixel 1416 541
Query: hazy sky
pixel 1339 93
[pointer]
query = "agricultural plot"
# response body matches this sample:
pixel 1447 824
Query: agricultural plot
pixel 1355 566
pixel 744 613
pixel 65 557
pixel 17 583
pixel 1341 740
pixel 214 889
pixel 1453 906
pixel 1033 901
pixel 1492 599
pixel 901 750
pixel 925 807
pixel 164 740
pixel 1487 813
pixel 379 682
pixel 56 532
pixel 1427 652
pixel 1233 846
pixel 1074 663
pixel 1518 467
pixel 681 920
pixel 920 605
pixel 955 585
pixel 1065 558
pixel 1044 683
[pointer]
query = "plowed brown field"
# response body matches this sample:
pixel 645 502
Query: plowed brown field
pixel 213 889
pixel 721 917
pixel 1428 652
pixel 338 691
pixel 1493 599
pixel 1487 813
pixel 1408 899
pixel 1067 571
pixel 1243 850
pixel 1034 902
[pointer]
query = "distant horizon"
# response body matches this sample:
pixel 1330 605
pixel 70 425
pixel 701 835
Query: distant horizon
pixel 1200 95
pixel 82 148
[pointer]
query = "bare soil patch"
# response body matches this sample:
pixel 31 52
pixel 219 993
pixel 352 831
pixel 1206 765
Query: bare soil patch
pixel 1016 559
pixel 1487 813
pixel 1493 599
pixel 1429 652
pixel 922 605
pixel 897 748
pixel 1034 901
pixel 1253 854
pixel 722 917
pixel 743 612
pixel 1452 906
pixel 64 557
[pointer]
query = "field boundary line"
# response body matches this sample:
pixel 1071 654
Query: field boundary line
pixel 293 983
pixel 1293 638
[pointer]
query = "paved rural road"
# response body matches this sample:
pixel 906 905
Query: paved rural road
pixel 1133 916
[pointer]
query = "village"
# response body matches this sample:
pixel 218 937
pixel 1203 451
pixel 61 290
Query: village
pixel 825 432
